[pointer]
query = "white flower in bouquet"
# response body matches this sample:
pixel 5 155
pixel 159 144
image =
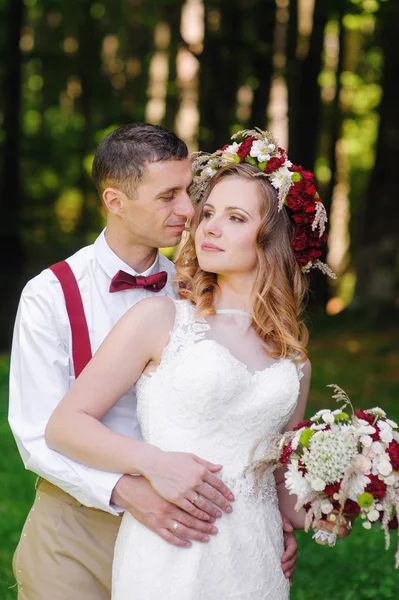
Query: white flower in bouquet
pixel 384 466
pixel 386 435
pixel 295 482
pixel 366 440
pixel 340 465
pixel 377 448
pixel 373 515
pixel 326 507
pixel 357 486
pixel 329 455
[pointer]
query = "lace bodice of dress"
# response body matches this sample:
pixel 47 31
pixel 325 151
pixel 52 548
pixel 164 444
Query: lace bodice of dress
pixel 216 392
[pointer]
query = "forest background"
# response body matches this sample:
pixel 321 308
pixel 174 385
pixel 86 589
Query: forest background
pixel 323 75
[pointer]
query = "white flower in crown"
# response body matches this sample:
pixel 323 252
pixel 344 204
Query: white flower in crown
pixel 210 170
pixel 261 150
pixel 277 178
pixel 229 153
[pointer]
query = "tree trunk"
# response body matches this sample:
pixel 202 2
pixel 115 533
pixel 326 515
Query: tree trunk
pixel 219 72
pixel 10 189
pixel 173 18
pixel 262 59
pixel 304 91
pixel 377 272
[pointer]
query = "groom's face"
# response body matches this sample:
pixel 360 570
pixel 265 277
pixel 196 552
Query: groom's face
pixel 156 216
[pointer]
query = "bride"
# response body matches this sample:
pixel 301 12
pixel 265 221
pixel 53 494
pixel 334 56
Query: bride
pixel 215 370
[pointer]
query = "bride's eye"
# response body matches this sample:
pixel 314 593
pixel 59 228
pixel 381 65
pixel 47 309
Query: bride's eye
pixel 236 219
pixel 206 214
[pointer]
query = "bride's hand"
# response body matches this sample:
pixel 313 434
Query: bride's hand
pixel 330 522
pixel 189 482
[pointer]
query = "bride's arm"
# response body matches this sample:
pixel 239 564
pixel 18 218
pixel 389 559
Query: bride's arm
pixel 75 427
pixel 286 501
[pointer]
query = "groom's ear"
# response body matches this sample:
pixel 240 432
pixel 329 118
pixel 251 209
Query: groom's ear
pixel 114 200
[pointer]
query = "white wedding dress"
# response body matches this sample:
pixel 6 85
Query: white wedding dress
pixel 215 393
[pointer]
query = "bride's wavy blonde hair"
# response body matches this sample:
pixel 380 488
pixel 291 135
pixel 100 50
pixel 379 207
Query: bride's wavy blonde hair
pixel 280 287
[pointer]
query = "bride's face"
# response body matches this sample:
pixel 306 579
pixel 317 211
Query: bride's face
pixel 225 240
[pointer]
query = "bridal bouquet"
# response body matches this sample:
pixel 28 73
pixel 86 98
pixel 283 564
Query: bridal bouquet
pixel 342 464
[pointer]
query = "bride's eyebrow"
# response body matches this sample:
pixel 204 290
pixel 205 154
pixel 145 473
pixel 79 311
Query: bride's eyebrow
pixel 238 208
pixel 229 208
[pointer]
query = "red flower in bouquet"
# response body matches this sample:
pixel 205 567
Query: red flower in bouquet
pixel 332 488
pixel 362 414
pixel 286 454
pixel 302 424
pixel 376 487
pixel 393 452
pixel 351 507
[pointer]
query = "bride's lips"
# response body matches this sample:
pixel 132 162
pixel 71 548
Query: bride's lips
pixel 211 248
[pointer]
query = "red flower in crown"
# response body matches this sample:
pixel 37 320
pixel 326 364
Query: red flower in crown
pixel 274 163
pixel 245 148
pixel 309 255
pixel 304 237
pixel 295 188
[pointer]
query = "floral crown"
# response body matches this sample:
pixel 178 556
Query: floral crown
pixel 296 189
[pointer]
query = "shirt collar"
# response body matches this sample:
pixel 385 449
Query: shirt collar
pixel 111 263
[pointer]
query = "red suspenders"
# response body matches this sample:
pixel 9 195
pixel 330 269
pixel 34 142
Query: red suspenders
pixel 81 348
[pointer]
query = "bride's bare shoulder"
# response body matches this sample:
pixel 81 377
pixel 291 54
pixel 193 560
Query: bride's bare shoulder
pixel 156 312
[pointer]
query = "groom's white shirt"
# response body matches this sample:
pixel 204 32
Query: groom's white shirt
pixel 42 367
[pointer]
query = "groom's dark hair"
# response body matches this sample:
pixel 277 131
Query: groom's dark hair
pixel 121 156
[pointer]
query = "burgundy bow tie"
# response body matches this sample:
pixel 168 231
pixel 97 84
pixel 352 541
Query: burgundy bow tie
pixel 125 281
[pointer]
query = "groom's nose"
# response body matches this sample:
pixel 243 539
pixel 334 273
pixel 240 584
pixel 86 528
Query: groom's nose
pixel 184 207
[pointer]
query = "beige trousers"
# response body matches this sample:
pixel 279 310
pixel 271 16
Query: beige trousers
pixel 66 549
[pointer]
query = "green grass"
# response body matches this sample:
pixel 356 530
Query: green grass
pixel 366 365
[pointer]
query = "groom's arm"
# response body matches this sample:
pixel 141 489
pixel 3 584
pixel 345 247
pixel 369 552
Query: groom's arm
pixel 39 378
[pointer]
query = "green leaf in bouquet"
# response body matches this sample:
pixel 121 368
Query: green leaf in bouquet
pixel 341 417
pixel 306 436
pixel 365 500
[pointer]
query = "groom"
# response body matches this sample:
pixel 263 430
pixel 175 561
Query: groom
pixel 142 174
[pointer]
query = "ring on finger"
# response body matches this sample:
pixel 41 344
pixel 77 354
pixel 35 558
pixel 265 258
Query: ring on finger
pixel 195 499
pixel 174 528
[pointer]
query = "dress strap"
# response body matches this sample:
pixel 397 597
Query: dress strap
pixel 81 347
pixel 187 329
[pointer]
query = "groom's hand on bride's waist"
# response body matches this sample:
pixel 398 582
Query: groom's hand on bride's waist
pixel 136 495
